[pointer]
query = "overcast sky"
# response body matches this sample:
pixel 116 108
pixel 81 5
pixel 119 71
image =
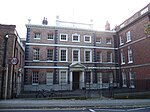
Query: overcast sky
pixel 17 12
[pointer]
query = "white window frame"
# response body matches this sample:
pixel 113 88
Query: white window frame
pixel 131 76
pixel 99 77
pixel 35 54
pixel 78 55
pixel 89 39
pixel 124 79
pixel 121 40
pixel 111 57
pixel 85 55
pixel 33 77
pixel 50 34
pixel 49 78
pixel 52 55
pixel 128 36
pixel 122 57
pixel 76 40
pixel 60 77
pixel 65 35
pixel 66 54
pixel 130 54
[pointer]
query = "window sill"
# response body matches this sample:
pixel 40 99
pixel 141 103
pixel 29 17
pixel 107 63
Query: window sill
pixel 130 62
pixel 122 63
pixel 128 41
pixel 132 86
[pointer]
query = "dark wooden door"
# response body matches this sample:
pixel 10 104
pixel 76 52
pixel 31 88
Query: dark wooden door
pixel 76 80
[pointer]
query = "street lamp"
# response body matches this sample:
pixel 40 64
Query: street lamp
pixel 4 64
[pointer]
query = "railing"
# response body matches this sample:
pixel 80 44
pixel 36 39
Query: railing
pixel 91 90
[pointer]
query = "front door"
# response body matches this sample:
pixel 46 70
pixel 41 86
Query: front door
pixel 76 82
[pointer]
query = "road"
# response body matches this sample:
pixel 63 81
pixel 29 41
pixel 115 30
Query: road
pixel 143 109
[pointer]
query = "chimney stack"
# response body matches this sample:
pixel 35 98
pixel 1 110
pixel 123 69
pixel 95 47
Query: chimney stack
pixel 44 22
pixel 107 26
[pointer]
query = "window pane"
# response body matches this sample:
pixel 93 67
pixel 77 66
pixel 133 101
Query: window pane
pixel 63 55
pixel 35 77
pixel 35 54
pixel 75 55
pixel 109 57
pixel 49 54
pixel 87 55
pixel 50 36
pixel 49 78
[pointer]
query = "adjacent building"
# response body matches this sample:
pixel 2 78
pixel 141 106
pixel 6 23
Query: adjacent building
pixel 11 62
pixel 134 50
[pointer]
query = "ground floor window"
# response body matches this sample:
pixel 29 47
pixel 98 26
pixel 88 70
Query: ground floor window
pixel 35 78
pixel 88 77
pixel 63 76
pixel 131 76
pixel 99 78
pixel 49 78
pixel 124 79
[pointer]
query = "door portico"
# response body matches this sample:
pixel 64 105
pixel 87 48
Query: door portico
pixel 77 76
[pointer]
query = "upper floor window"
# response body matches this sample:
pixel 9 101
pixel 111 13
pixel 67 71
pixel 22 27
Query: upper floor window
pixel 75 38
pixel 76 55
pixel 99 56
pixel 87 39
pixel 50 54
pixel 35 78
pixel 63 37
pixel 37 35
pixel 99 40
pixel 128 36
pixel 121 40
pixel 36 54
pixel 88 55
pixel 122 58
pixel 109 57
pixel 108 41
pixel 130 57
pixel 50 36
pixel 63 54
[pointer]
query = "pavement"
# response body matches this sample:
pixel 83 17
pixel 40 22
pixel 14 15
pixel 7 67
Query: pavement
pixel 71 103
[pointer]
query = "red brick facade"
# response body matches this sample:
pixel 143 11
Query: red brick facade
pixel 13 74
pixel 140 67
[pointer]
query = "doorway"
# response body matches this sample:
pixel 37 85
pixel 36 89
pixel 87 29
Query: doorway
pixel 76 78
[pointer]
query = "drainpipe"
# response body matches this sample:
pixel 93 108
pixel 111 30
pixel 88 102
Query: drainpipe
pixel 4 64
pixel 13 71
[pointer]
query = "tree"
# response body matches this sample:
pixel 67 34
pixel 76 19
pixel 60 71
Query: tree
pixel 147 29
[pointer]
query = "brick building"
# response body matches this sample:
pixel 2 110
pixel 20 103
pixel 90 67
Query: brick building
pixel 11 75
pixel 69 58
pixel 134 50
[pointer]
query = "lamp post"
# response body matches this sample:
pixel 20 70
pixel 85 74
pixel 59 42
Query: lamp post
pixel 4 64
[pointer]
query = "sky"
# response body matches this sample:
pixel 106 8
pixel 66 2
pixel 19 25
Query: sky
pixel 17 12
